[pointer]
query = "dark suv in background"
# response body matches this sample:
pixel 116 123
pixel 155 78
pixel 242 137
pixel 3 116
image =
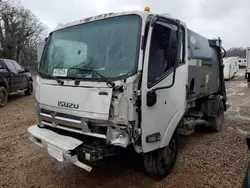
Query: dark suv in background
pixel 13 78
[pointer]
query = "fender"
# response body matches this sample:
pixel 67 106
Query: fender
pixel 171 128
pixel 4 83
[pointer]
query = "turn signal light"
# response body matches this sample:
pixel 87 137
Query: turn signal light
pixel 147 9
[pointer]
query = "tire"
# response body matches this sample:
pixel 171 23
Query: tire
pixel 3 96
pixel 160 163
pixel 29 90
pixel 217 122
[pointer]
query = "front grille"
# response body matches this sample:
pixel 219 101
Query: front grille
pixel 73 123
pixel 69 127
pixel 68 116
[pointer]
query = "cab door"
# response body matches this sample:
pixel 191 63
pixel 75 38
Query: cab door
pixel 161 118
pixel 23 78
pixel 14 76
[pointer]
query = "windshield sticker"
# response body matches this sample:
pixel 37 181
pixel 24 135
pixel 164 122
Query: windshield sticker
pixel 60 72
pixel 88 76
pixel 193 40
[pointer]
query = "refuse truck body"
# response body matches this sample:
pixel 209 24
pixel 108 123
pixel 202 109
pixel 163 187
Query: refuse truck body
pixel 130 79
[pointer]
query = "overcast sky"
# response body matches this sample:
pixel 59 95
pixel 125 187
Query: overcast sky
pixel 229 19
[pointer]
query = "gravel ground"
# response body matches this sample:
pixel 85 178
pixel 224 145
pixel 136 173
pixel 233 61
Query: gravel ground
pixel 205 159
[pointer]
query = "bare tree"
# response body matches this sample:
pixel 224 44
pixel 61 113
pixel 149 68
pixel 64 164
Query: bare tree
pixel 19 32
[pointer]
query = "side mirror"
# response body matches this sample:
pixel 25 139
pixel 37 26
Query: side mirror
pixel 151 98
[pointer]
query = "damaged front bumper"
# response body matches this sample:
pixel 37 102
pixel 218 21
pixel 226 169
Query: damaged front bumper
pixel 65 147
pixel 58 146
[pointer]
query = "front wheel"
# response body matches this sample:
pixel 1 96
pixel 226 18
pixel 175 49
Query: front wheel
pixel 3 96
pixel 160 163
pixel 29 90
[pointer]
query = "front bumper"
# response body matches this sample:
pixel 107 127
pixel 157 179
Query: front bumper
pixel 58 146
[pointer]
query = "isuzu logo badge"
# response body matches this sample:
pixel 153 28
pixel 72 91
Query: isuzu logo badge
pixel 68 105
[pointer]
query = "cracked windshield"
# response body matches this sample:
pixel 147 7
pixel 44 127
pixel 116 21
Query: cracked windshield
pixel 109 46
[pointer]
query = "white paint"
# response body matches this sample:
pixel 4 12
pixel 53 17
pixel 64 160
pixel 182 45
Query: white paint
pixel 91 104
pixel 143 14
pixel 242 62
pixel 165 115
pixel 207 78
pixel 248 59
pixel 55 152
pixel 231 67
pixel 63 144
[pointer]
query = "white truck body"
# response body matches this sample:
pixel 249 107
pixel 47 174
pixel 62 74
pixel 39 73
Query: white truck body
pixel 242 62
pixel 231 67
pixel 125 96
pixel 248 59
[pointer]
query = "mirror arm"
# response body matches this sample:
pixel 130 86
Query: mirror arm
pixel 167 87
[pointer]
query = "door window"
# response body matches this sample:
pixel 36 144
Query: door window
pixel 11 66
pixel 162 52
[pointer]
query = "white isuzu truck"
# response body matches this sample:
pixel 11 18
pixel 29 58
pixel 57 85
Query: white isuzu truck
pixel 126 79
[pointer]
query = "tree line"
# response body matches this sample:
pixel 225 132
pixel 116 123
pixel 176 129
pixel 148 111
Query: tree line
pixel 20 30
pixel 236 52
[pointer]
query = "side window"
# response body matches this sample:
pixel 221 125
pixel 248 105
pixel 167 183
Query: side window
pixel 162 52
pixel 11 66
pixel 17 66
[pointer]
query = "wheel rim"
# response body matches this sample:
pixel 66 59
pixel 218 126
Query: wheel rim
pixel 2 97
pixel 169 155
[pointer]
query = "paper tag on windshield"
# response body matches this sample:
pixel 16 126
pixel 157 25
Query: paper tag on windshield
pixel 60 72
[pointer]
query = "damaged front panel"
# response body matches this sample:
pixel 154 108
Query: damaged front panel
pixel 119 127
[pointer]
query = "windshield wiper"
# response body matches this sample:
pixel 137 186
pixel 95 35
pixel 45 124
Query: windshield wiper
pixel 112 84
pixel 52 77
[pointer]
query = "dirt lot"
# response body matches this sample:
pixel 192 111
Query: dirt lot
pixel 205 159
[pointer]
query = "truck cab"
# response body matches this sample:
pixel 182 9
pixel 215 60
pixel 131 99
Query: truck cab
pixel 13 78
pixel 123 79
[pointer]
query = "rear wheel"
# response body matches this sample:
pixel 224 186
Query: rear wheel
pixel 29 90
pixel 3 96
pixel 217 122
pixel 160 163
